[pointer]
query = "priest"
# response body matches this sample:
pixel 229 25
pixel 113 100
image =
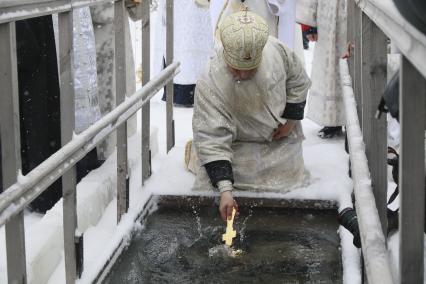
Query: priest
pixel 248 105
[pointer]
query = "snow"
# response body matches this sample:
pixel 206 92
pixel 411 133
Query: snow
pixel 325 159
pixel 350 258
pixel 95 193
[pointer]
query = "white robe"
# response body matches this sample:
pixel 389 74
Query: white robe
pixel 325 105
pixel 192 40
pixel 86 101
pixel 234 121
pixel 103 25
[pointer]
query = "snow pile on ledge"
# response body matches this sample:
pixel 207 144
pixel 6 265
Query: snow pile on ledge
pixel 44 238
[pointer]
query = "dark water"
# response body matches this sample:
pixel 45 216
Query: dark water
pixel 278 246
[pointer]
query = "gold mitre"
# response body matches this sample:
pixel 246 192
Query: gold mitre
pixel 244 35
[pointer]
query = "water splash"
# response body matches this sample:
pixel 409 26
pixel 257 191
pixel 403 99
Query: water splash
pixel 242 233
pixel 197 220
pixel 222 251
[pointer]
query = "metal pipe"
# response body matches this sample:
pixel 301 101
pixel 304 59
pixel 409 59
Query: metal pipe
pixel 376 257
pixel 14 3
pixel 13 10
pixel 28 187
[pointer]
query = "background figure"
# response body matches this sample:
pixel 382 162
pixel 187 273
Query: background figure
pixel 325 105
pixel 39 104
pixel 87 110
pixel 192 46
pixel 103 19
pixel 39 94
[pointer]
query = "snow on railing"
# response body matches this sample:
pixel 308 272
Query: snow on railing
pixel 370 24
pixel 373 241
pixel 410 41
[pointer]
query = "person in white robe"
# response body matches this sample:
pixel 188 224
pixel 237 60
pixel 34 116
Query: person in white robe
pixel 103 25
pixel 86 101
pixel 325 104
pixel 280 16
pixel 192 45
pixel 248 105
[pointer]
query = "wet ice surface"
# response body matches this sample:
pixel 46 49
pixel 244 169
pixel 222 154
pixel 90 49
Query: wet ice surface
pixel 278 246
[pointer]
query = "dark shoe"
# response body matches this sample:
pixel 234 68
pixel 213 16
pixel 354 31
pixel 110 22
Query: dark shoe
pixel 330 132
pixel 393 221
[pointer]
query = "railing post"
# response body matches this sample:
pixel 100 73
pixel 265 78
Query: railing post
pixel 11 158
pixel 146 74
pixel 65 24
pixel 357 61
pixel 412 173
pixel 351 33
pixel 169 87
pixel 374 68
pixel 120 92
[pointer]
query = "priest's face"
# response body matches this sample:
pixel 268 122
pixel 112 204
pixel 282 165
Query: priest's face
pixel 241 75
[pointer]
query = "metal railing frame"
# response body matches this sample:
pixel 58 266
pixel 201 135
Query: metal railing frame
pixel 21 190
pixel 370 24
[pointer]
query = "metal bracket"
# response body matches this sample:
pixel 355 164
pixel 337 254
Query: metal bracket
pixel 1 170
pixel 150 164
pixel 79 254
pixel 173 133
pixel 127 192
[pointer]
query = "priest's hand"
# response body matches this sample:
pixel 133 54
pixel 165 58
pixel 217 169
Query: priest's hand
pixel 227 203
pixel 284 130
pixel 312 37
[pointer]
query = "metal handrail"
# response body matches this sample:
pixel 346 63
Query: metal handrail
pixel 373 241
pixel 410 41
pixel 20 194
pixel 370 24
pixel 13 10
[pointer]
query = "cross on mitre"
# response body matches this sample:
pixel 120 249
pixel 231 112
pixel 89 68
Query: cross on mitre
pixel 245 19
pixel 244 7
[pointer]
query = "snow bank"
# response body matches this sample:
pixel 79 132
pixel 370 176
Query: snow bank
pixel 44 239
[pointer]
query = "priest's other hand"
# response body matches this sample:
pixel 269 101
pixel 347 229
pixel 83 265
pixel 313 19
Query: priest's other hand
pixel 284 130
pixel 227 203
pixel 312 37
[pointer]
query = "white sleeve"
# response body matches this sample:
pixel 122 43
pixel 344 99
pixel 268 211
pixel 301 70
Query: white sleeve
pixel 277 7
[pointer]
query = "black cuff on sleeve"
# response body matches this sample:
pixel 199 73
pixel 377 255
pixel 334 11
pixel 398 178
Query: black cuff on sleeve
pixel 294 111
pixel 219 170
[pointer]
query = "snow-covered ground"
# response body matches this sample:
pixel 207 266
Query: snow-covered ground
pixel 325 159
